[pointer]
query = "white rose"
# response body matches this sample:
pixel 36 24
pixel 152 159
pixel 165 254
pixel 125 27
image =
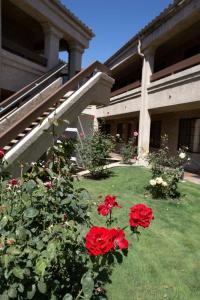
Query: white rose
pixel 152 182
pixel 159 180
pixel 164 183
pixel 182 155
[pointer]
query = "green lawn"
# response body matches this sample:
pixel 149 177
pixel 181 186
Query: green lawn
pixel 165 262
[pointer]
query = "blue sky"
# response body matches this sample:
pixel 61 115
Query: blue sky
pixel 114 22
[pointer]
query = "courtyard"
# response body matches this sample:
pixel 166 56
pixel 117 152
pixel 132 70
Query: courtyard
pixel 164 263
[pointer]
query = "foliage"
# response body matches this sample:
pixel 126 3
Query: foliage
pixel 94 151
pixel 128 152
pixel 46 252
pixel 167 170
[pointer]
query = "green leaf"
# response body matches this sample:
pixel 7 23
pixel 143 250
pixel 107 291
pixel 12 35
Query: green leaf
pixel 41 267
pixel 30 186
pixel 20 288
pixel 42 287
pixel 31 212
pixel 12 292
pixel 3 222
pixel 21 233
pixel 4 296
pixel 31 293
pixel 14 251
pixel 87 285
pixel 18 272
pixel 67 297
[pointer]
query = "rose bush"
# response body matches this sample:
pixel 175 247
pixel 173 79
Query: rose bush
pixel 46 249
pixel 94 151
pixel 167 170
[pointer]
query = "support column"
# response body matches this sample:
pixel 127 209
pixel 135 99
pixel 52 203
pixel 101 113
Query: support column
pixel 75 58
pixel 145 118
pixel 51 48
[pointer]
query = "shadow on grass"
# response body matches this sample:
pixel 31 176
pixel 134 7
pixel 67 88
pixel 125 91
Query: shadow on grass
pixel 102 176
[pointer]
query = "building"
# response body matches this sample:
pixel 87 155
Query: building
pixel 32 33
pixel 157 83
pixel 37 90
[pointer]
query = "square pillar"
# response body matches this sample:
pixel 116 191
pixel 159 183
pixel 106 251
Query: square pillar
pixel 75 58
pixel 145 118
pixel 51 46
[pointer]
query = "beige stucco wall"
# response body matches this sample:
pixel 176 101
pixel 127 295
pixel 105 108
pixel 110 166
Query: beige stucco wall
pixel 17 71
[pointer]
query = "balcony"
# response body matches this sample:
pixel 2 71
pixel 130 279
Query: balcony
pixel 23 52
pixel 175 68
pixel 126 88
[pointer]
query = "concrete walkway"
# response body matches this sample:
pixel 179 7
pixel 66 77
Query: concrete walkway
pixel 194 178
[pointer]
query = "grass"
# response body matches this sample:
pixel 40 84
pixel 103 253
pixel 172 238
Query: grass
pixel 165 262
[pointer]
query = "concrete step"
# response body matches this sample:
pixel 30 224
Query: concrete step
pixel 14 141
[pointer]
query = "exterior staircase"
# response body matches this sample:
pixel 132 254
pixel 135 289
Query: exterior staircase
pixel 27 118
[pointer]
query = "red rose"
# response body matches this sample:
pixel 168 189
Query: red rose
pixel 140 215
pixel 2 153
pixel 105 207
pixel 13 182
pixel 119 240
pixel 82 135
pixel 99 240
pixel 48 184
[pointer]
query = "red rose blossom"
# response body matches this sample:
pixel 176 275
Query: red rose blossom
pixel 2 153
pixel 48 184
pixel 13 182
pixel 105 207
pixel 140 215
pixel 119 240
pixel 99 240
pixel 82 135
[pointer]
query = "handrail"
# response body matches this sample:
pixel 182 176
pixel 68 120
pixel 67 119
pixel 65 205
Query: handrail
pixel 180 66
pixel 20 125
pixel 126 88
pixel 11 102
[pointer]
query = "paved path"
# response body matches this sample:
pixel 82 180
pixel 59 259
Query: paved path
pixel 192 177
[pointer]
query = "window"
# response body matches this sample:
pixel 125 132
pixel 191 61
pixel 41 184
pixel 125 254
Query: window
pixel 189 134
pixel 155 134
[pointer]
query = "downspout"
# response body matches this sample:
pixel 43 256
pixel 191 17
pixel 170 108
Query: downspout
pixel 139 48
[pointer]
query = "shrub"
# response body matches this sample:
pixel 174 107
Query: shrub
pixel 167 170
pixel 129 150
pixel 94 152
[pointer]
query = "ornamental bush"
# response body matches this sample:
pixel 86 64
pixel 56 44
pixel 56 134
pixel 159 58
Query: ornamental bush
pixel 167 170
pixel 49 248
pixel 94 151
